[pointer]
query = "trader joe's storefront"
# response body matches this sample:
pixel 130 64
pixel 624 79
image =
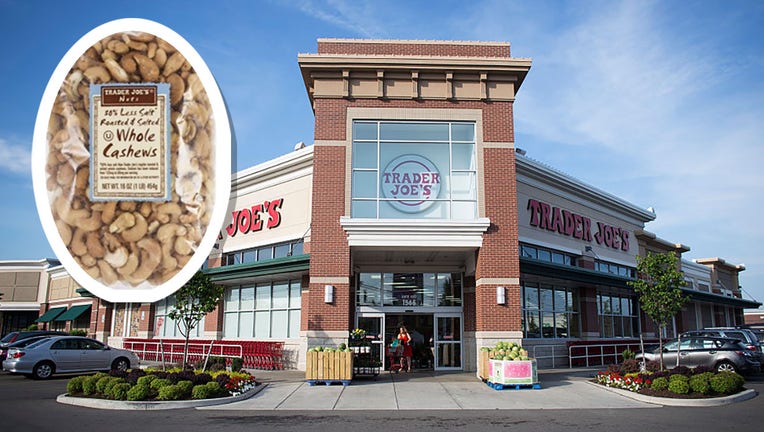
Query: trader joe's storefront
pixel 429 305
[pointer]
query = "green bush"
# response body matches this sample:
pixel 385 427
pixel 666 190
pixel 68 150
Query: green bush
pixel 170 392
pixel 215 389
pixel 139 392
pixel 109 387
pixel 78 332
pixel 159 383
pixel 701 383
pixel 200 392
pixel 185 388
pixel 89 385
pixel 146 380
pixel 101 384
pixel 74 385
pixel 660 384
pixel 119 391
pixel 727 382
pixel 237 364
pixel 679 384
pixel 628 354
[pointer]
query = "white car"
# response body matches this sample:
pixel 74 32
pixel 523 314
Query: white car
pixel 66 354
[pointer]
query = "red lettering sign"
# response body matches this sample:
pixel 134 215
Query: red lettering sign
pixel 251 219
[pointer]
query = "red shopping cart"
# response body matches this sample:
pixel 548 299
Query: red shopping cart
pixel 395 357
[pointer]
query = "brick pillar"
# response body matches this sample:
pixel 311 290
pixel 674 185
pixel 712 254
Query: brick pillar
pixel 590 327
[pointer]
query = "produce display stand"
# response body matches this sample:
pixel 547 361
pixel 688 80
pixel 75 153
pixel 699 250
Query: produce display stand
pixel 513 374
pixel 365 359
pixel 328 367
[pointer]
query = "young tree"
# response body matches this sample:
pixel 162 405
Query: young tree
pixel 198 297
pixel 659 284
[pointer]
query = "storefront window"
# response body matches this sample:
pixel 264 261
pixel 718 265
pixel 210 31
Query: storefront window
pixel 263 253
pixel 617 316
pixel 409 289
pixel 547 255
pixel 423 170
pixel 169 329
pixel 264 311
pixel 549 312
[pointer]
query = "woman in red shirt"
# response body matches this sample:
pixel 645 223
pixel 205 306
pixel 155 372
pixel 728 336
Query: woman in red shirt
pixel 405 339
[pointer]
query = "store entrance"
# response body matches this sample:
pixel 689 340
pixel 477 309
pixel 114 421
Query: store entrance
pixel 420 327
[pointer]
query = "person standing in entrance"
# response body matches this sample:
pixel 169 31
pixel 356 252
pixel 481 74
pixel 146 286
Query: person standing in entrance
pixel 405 339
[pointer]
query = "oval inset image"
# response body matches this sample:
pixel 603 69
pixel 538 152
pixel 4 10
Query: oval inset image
pixel 131 161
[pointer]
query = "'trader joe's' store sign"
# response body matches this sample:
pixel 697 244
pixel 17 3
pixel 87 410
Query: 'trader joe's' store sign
pixel 545 216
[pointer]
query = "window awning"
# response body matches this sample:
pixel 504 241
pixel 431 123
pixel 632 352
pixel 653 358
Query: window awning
pixel 73 313
pixel 50 314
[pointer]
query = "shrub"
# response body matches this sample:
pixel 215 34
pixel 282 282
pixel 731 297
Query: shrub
pixel 146 380
pixel 78 332
pixel 185 388
pixel 186 375
pixel 101 384
pixel 222 379
pixel 110 385
pixel 89 385
pixel 681 370
pixel 139 392
pixel 134 374
pixel 160 374
pixel 119 391
pixel 702 369
pixel 159 383
pixel 169 392
pixel 174 377
pixel 75 385
pixel 629 366
pixel 202 378
pixel 200 392
pixel 628 354
pixel 216 367
pixel 118 373
pixel 653 366
pixel 701 383
pixel 679 384
pixel 660 384
pixel 726 382
pixel 237 364
pixel 613 369
pixel 215 389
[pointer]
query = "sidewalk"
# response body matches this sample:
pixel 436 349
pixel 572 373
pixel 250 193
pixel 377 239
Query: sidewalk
pixel 560 389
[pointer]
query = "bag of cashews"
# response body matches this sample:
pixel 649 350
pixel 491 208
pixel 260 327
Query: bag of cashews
pixel 131 161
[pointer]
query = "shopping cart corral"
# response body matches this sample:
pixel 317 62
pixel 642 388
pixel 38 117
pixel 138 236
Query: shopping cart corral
pixel 254 354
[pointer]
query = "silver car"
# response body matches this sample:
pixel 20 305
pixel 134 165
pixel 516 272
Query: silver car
pixel 719 354
pixel 64 354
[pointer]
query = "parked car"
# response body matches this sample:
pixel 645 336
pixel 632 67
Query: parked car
pixel 17 336
pixel 747 336
pixel 720 354
pixel 20 344
pixel 65 354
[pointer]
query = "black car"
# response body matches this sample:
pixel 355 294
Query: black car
pixel 21 335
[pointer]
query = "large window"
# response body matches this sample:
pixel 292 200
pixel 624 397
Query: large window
pixel 268 310
pixel 617 316
pixel 263 253
pixel 409 289
pixel 549 312
pixel 547 255
pixel 421 170
pixel 168 327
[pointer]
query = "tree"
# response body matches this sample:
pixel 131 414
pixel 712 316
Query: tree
pixel 659 284
pixel 198 297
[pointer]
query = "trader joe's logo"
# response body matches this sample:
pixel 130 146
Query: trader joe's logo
pixel 412 182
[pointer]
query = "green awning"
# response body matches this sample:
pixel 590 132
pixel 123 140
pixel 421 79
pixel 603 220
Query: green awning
pixel 50 314
pixel 73 313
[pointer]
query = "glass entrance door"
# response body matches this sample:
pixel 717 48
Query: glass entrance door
pixel 448 342
pixel 374 324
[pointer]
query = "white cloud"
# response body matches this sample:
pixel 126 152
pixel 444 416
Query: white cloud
pixel 14 157
pixel 357 16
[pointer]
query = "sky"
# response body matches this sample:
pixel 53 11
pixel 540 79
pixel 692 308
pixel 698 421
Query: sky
pixel 657 102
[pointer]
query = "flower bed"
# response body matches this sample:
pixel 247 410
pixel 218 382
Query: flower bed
pixel 679 382
pixel 155 385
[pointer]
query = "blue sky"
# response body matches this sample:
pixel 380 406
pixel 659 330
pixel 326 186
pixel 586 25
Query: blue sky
pixel 659 103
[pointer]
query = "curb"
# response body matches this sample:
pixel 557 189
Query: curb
pixel 707 402
pixel 154 405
